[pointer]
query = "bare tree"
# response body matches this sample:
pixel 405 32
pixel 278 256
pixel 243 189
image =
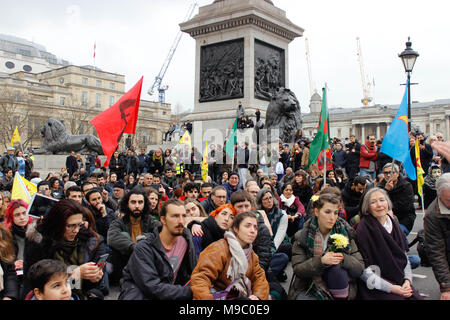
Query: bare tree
pixel 14 111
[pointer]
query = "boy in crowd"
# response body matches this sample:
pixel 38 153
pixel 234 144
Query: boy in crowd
pixel 49 280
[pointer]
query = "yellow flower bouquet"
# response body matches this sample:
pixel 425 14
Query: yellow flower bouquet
pixel 338 243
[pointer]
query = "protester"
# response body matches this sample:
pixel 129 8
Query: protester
pixel 102 214
pixel 124 232
pixel 17 221
pixel 319 272
pixel 278 220
pixel 9 287
pixel 382 243
pixel 49 280
pixel 293 208
pixel 212 228
pixel 61 235
pixel 437 235
pixel 230 264
pixel 352 194
pixel 217 198
pixel 401 194
pixel 429 187
pixel 161 265
pixel 231 185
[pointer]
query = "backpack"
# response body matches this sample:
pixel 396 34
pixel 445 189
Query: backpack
pixel 420 240
pixel 279 169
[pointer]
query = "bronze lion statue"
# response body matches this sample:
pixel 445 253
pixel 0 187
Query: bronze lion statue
pixel 58 141
pixel 284 114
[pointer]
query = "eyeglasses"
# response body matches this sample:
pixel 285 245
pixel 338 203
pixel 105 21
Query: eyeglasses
pixel 267 199
pixel 387 173
pixel 72 227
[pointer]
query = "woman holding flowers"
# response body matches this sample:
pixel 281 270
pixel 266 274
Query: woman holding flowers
pixel 325 259
pixel 382 242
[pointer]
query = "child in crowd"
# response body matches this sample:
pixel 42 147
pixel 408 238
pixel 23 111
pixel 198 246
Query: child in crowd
pixel 49 280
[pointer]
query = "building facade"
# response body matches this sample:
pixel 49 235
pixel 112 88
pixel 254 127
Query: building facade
pixel 431 117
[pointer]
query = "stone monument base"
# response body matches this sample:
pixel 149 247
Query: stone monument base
pixel 44 164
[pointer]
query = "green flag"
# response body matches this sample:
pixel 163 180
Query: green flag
pixel 231 141
pixel 322 139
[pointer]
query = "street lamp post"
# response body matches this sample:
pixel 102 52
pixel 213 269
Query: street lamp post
pixel 409 57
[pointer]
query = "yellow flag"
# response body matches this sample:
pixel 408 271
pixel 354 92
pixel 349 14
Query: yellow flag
pixel 19 190
pixel 205 163
pixel 420 172
pixel 31 187
pixel 15 137
pixel 186 139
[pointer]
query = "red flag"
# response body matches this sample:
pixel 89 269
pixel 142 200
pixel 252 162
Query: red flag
pixel 329 160
pixel 120 118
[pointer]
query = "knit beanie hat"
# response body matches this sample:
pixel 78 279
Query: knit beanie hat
pixel 119 184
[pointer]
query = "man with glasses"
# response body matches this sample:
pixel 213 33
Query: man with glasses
pixel 217 198
pixel 401 193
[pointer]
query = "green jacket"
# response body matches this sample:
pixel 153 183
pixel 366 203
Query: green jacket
pixel 305 269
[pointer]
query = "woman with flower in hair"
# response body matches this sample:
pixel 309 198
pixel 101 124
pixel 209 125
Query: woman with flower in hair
pixel 325 259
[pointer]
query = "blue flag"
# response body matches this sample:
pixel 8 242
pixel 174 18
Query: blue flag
pixel 396 141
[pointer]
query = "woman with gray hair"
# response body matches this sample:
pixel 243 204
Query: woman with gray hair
pixel 382 244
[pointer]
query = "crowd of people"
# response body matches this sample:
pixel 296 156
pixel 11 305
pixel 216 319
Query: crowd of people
pixel 150 225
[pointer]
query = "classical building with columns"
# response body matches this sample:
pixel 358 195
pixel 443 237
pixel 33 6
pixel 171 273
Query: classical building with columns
pixel 35 85
pixel 431 117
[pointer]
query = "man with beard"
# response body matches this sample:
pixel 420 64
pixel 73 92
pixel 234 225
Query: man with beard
pixel 160 266
pixel 125 232
pixel 102 214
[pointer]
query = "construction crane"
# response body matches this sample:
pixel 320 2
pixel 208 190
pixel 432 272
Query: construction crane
pixel 365 85
pixel 159 78
pixel 308 61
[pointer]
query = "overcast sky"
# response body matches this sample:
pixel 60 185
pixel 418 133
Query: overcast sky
pixel 134 37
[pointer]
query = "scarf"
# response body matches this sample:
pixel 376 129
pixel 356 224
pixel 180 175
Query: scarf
pixel 19 231
pixel 314 240
pixel 68 253
pixel 160 159
pixel 430 182
pixel 370 148
pixel 238 265
pixel 286 201
pixel 383 249
pixel 274 216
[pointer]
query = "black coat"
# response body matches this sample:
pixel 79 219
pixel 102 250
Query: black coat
pixel 36 248
pixel 351 201
pixel 352 163
pixel 120 162
pixel 402 197
pixel 10 281
pixel 71 165
pixel 119 233
pixel 303 193
pixel 149 274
